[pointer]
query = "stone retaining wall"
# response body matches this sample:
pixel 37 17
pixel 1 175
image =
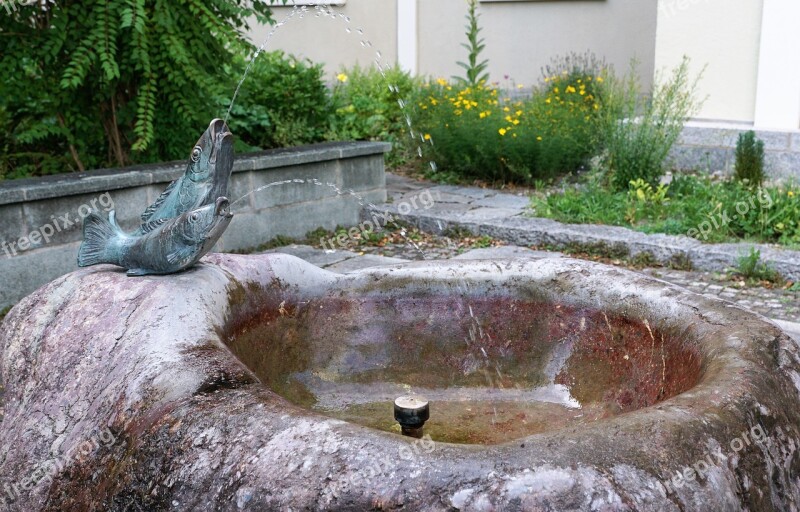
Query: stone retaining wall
pixel 41 226
pixel 712 147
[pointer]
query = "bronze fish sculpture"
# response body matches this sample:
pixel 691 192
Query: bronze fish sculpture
pixel 165 247
pixel 206 177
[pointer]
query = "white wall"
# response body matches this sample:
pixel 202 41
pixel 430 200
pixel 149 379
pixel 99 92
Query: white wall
pixel 778 88
pixel 723 35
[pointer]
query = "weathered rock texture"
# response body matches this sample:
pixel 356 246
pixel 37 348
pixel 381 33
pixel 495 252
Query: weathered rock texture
pixel 122 395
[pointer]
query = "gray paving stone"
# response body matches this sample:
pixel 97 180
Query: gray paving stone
pixel 504 201
pixel 448 197
pixel 506 251
pixel 362 262
pixel 473 192
pixel 486 213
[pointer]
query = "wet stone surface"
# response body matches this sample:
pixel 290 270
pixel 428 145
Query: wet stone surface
pixel 773 303
pixel 187 414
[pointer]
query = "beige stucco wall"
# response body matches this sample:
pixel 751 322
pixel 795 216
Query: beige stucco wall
pixel 521 37
pixel 325 40
pixel 723 35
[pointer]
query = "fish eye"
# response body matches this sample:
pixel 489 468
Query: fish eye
pixel 196 153
pixel 195 217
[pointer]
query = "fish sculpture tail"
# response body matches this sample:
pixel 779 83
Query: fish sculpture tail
pixel 97 235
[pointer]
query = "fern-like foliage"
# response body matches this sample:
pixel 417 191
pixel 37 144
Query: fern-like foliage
pixel 96 83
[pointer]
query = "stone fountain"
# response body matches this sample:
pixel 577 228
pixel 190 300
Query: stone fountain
pixel 254 383
pixel 265 383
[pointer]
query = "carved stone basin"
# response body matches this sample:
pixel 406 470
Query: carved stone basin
pixel 265 383
pixel 497 363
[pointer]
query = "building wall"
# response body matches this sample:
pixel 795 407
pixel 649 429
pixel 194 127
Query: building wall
pixel 521 36
pixel 326 40
pixel 724 36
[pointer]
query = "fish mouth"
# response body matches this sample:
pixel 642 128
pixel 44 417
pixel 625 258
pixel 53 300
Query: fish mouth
pixel 223 208
pixel 222 140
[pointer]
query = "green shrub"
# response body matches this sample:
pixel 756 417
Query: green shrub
pixel 95 84
pixel 367 106
pixel 638 131
pixel 749 167
pixel 476 133
pixel 577 68
pixel 713 212
pixel 283 102
pixel 750 266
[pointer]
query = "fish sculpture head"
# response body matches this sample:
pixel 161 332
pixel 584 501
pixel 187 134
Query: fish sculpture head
pixel 212 156
pixel 206 225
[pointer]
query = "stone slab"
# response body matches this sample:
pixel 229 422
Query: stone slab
pixel 506 252
pixel 504 201
pixel 363 262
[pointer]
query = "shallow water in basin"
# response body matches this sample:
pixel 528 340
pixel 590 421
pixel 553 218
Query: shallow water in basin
pixel 495 369
pixel 474 421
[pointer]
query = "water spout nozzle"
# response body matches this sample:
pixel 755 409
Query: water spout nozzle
pixel 411 412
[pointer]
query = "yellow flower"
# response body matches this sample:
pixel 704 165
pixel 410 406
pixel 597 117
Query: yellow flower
pixel 506 109
pixel 442 82
pixel 514 135
pixel 600 79
pixel 547 101
pixel 791 193
pixel 570 89
pixel 434 101
pixel 483 114
pixel 341 77
pixel 518 113
pixel 427 136
pixel 520 86
pixel 502 131
pixel 515 122
pixel 539 138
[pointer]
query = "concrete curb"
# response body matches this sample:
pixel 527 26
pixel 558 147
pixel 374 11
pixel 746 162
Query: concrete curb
pixel 512 226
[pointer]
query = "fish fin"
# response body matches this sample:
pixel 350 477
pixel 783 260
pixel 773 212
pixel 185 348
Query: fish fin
pixel 97 232
pixel 152 226
pixel 138 272
pixel 148 213
pixel 112 219
pixel 180 254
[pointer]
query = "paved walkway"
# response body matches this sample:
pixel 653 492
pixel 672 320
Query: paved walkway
pixel 506 216
pixel 431 207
